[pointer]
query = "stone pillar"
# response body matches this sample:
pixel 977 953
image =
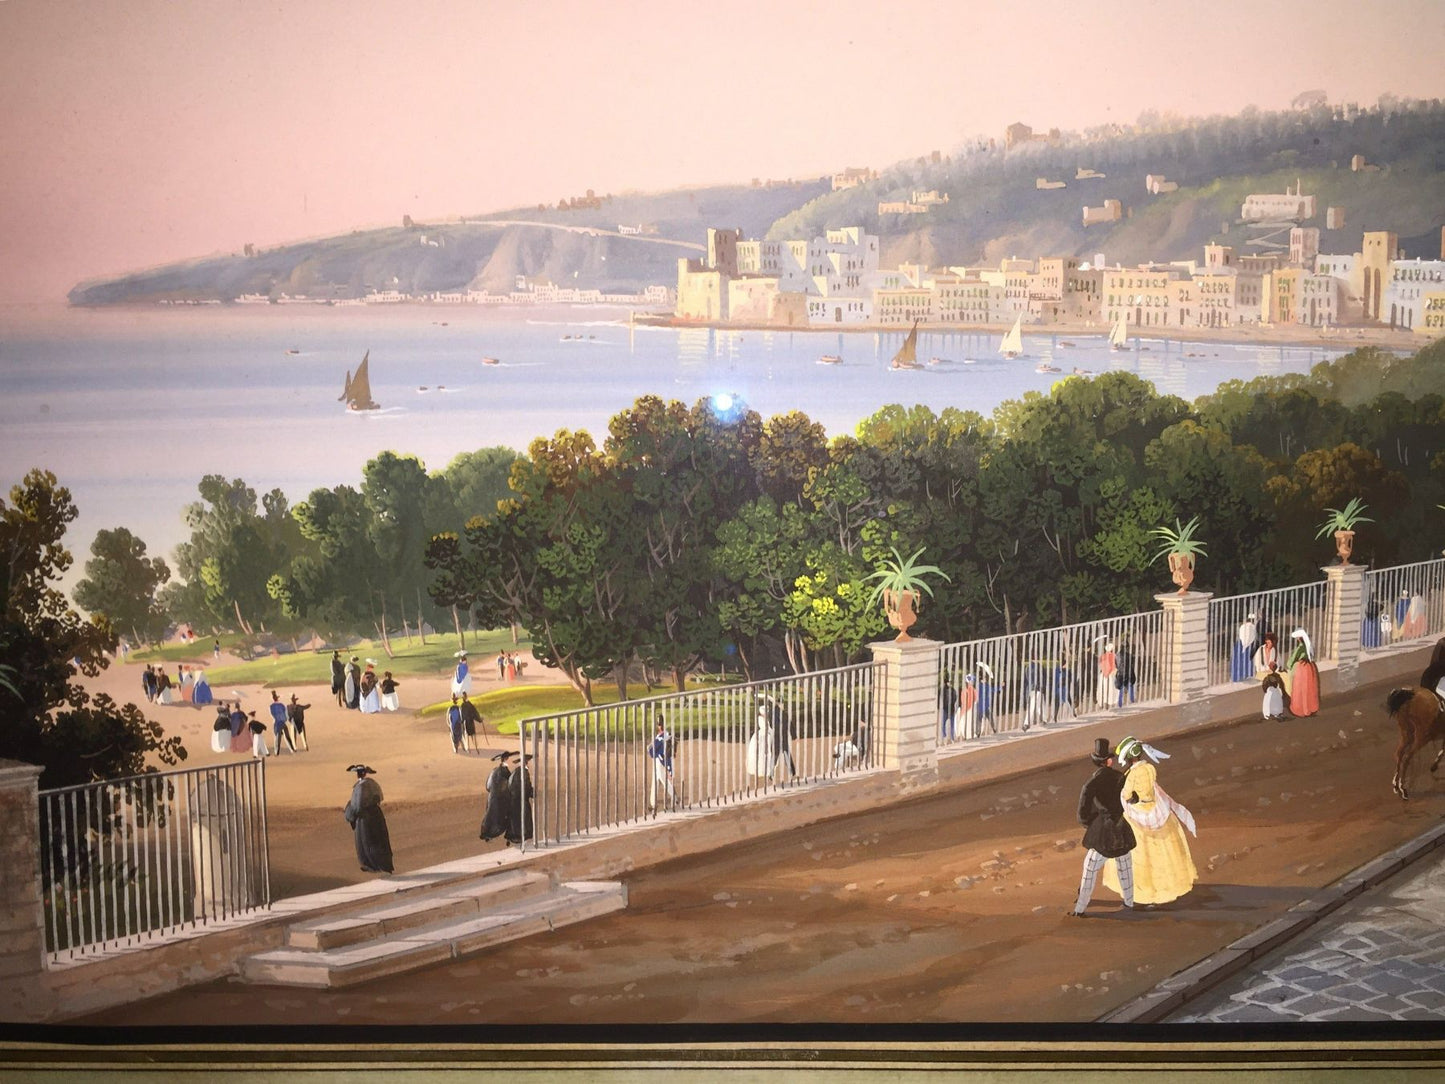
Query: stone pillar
pixel 22 916
pixel 1187 627
pixel 1344 616
pixel 909 713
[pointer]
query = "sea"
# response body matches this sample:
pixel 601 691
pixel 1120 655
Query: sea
pixel 131 407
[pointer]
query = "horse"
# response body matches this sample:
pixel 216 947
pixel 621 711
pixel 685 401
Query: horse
pixel 1420 715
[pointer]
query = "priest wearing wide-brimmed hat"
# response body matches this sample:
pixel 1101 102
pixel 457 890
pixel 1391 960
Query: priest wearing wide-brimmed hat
pixel 495 817
pixel 368 823
pixel 1107 835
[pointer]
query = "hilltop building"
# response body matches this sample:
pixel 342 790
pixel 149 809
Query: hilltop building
pixel 1112 211
pixel 1277 208
pixel 852 178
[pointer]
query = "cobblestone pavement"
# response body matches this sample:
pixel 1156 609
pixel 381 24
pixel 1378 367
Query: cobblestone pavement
pixel 1381 957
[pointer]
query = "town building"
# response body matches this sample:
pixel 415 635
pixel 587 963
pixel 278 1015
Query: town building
pixel 852 178
pixel 1304 245
pixel 1112 211
pixel 1410 282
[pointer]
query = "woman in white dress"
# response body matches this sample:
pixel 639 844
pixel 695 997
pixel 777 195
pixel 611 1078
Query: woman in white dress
pixel 462 675
pixel 389 699
pixel 760 746
pixel 370 690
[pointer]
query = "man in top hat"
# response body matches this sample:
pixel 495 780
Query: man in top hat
pixel 1107 834
pixel 461 676
pixel 296 712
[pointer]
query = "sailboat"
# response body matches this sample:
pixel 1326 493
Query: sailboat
pixel 1013 343
pixel 907 356
pixel 357 392
pixel 1119 336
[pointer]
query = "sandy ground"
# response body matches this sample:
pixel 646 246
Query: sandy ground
pixel 310 842
pixel 949 908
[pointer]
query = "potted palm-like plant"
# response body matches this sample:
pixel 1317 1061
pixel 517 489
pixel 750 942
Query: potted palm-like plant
pixel 900 586
pixel 1181 548
pixel 1341 523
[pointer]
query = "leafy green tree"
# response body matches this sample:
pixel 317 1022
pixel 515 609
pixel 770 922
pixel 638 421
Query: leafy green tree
pixel 120 584
pixel 46 717
pixel 233 551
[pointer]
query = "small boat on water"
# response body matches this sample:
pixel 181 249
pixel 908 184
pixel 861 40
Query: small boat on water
pixel 1119 335
pixel 293 353
pixel 490 361
pixel 422 388
pixel 1083 372
pixel 356 393
pixel 1045 367
pixel 939 361
pixel 1065 342
pixel 830 359
pixel 907 356
pixel 1013 343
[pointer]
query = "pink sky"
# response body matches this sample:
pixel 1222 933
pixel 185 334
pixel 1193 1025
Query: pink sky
pixel 137 132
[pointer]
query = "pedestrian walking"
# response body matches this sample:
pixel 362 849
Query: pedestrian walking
pixel 948 706
pixel 389 700
pixel 1107 835
pixel 165 691
pixel 148 684
pixel 368 822
pixel 519 802
pixel 968 706
pixel 501 666
pixel 494 817
pixel 1125 673
pixel 1105 689
pixel 351 687
pixel 454 724
pixel 296 713
pixel 1272 685
pixel 461 675
pixel 1304 686
pixel 511 666
pixel 471 720
pixel 258 736
pixel 278 724
pixel 1033 694
pixel 338 679
pixel 241 740
pixel 221 730
pixel 1163 869
pixel 660 750
pixel 217 653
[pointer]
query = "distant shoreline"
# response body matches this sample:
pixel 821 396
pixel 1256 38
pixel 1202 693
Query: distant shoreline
pixel 1345 337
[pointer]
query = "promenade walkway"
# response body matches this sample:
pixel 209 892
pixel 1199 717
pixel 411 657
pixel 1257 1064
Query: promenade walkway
pixel 1381 957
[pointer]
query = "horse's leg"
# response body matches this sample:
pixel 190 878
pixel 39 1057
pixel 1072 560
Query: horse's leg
pixel 1436 762
pixel 1403 752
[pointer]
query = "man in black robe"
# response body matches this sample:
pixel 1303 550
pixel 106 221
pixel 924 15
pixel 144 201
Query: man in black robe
pixel 368 823
pixel 352 688
pixel 519 802
pixel 338 679
pixel 495 819
pixel 471 721
pixel 1108 835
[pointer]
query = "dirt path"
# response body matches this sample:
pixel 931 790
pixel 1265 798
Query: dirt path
pixel 950 908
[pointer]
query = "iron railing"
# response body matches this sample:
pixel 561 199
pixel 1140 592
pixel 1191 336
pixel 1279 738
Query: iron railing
pixel 606 766
pixel 1238 625
pixel 1404 602
pixel 1009 683
pixel 137 858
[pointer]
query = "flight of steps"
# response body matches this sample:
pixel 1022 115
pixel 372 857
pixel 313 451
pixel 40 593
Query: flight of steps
pixel 414 929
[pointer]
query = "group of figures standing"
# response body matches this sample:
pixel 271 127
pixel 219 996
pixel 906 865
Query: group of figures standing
pixel 188 687
pixel 1054 690
pixel 361 690
pixel 1290 686
pixel 1384 624
pixel 237 731
pixel 509 800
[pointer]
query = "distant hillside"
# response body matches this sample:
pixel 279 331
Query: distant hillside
pixel 473 253
pixel 993 211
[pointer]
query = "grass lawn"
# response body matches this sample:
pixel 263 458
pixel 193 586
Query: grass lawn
pixel 200 651
pixel 310 667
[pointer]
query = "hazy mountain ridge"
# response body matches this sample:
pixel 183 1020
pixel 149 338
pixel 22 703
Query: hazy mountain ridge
pixel 994 210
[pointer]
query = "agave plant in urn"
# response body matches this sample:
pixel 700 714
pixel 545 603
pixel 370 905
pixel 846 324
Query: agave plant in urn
pixel 900 585
pixel 1341 523
pixel 1182 548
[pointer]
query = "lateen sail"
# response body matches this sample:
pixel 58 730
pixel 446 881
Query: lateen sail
pixel 1013 343
pixel 907 356
pixel 357 393
pixel 1119 337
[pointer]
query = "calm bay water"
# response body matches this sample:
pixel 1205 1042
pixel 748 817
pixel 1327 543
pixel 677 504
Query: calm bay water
pixel 131 407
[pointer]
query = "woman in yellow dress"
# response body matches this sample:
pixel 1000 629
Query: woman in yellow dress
pixel 1163 868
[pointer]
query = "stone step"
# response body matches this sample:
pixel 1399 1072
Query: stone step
pixel 417 909
pixel 452 938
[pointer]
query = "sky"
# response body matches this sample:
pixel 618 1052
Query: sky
pixel 138 132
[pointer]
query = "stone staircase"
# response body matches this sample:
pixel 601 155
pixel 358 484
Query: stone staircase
pixel 426 926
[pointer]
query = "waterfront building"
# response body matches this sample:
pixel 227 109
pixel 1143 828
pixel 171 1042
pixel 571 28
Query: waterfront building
pixel 1216 294
pixel 1141 295
pixel 1432 306
pixel 1304 245
pixel 1410 282
pixel 1380 249
pixel 960 298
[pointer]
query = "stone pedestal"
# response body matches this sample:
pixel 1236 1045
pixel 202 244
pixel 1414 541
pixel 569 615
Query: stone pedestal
pixel 22 921
pixel 1344 617
pixel 907 726
pixel 1187 629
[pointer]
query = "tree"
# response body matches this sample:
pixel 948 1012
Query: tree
pixel 233 551
pixel 46 717
pixel 120 584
